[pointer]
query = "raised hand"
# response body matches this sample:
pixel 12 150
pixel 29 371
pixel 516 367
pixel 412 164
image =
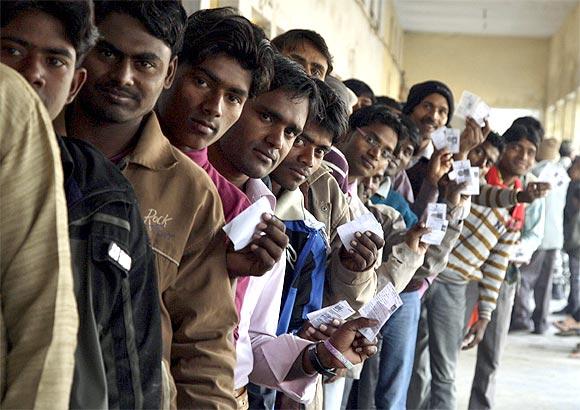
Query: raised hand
pixel 267 247
pixel 533 191
pixel 471 137
pixel 364 252
pixel 439 165
pixel 413 238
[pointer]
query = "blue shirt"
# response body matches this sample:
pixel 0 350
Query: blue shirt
pixel 398 202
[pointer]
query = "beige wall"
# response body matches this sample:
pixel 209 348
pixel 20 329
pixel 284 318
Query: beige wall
pixel 563 84
pixel 506 72
pixel 361 48
pixel 564 61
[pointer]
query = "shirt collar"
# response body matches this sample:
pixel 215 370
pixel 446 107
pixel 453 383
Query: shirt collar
pixel 256 189
pixel 153 149
pixel 384 188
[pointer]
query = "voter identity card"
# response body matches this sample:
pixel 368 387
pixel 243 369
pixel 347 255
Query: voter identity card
pixel 446 138
pixel 365 222
pixel 241 229
pixel 324 316
pixel 437 222
pixel 380 308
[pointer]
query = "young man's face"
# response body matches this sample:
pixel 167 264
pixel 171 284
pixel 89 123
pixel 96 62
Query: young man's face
pixel 35 44
pixel 204 101
pixel 304 158
pixel 308 56
pixel 127 70
pixel 265 132
pixel 483 156
pixel 430 114
pixel 369 148
pixel 403 155
pixel 371 185
pixel 518 157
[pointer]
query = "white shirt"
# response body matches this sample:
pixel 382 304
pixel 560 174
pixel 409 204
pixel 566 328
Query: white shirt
pixel 262 357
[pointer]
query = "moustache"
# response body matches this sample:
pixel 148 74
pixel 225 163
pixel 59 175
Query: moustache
pixel 126 92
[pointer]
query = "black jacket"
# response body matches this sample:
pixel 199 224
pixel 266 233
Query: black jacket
pixel 118 357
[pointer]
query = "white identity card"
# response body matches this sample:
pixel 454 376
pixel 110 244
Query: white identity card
pixel 324 316
pixel 241 229
pixel 446 138
pixel 472 106
pixel 437 222
pixel 380 308
pixel 365 222
pixel 472 187
pixel 462 171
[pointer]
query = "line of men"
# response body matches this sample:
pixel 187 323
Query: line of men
pixel 168 127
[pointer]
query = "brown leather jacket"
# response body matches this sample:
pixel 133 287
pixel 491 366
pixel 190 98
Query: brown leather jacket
pixel 183 215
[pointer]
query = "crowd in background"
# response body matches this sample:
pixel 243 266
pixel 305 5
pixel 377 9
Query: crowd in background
pixel 138 145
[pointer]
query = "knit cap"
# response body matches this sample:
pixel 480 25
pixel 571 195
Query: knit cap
pixel 421 90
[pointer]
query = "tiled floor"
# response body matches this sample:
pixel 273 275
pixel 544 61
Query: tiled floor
pixel 536 373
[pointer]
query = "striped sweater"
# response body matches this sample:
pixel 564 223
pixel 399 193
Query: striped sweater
pixel 481 254
pixel 495 197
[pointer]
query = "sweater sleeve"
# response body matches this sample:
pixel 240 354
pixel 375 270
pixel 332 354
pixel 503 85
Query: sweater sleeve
pixel 495 197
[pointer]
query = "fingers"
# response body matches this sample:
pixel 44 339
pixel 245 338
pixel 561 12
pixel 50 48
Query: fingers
pixel 361 341
pixel 366 352
pixel 376 239
pixel 270 240
pixel 419 230
pixel 359 323
pixel 365 247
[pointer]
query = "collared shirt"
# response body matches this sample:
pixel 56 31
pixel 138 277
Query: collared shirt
pixel 262 357
pixel 183 215
pixel 233 200
pixel 555 202
pixel 427 153
pixel 402 185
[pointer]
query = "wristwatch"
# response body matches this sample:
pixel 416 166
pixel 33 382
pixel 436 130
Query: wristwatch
pixel 318 366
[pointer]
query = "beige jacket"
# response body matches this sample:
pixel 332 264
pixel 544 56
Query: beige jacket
pixel 38 316
pixel 183 215
pixel 329 205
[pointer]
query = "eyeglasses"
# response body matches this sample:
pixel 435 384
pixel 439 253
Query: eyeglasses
pixel 374 142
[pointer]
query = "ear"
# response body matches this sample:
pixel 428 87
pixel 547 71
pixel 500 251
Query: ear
pixel 171 70
pixel 79 78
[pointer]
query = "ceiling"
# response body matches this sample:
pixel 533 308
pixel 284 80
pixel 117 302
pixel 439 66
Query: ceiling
pixel 522 18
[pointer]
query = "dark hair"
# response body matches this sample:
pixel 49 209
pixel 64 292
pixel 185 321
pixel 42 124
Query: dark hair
pixel 389 102
pixel 519 132
pixel 339 88
pixel 221 31
pixel 532 124
pixel 409 130
pixel 333 116
pixel 496 140
pixel 360 88
pixel 291 77
pixel 375 114
pixel 566 149
pixel 163 19
pixel 292 38
pixel 76 16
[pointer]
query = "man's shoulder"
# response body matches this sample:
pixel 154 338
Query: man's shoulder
pixel 91 169
pixel 325 184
